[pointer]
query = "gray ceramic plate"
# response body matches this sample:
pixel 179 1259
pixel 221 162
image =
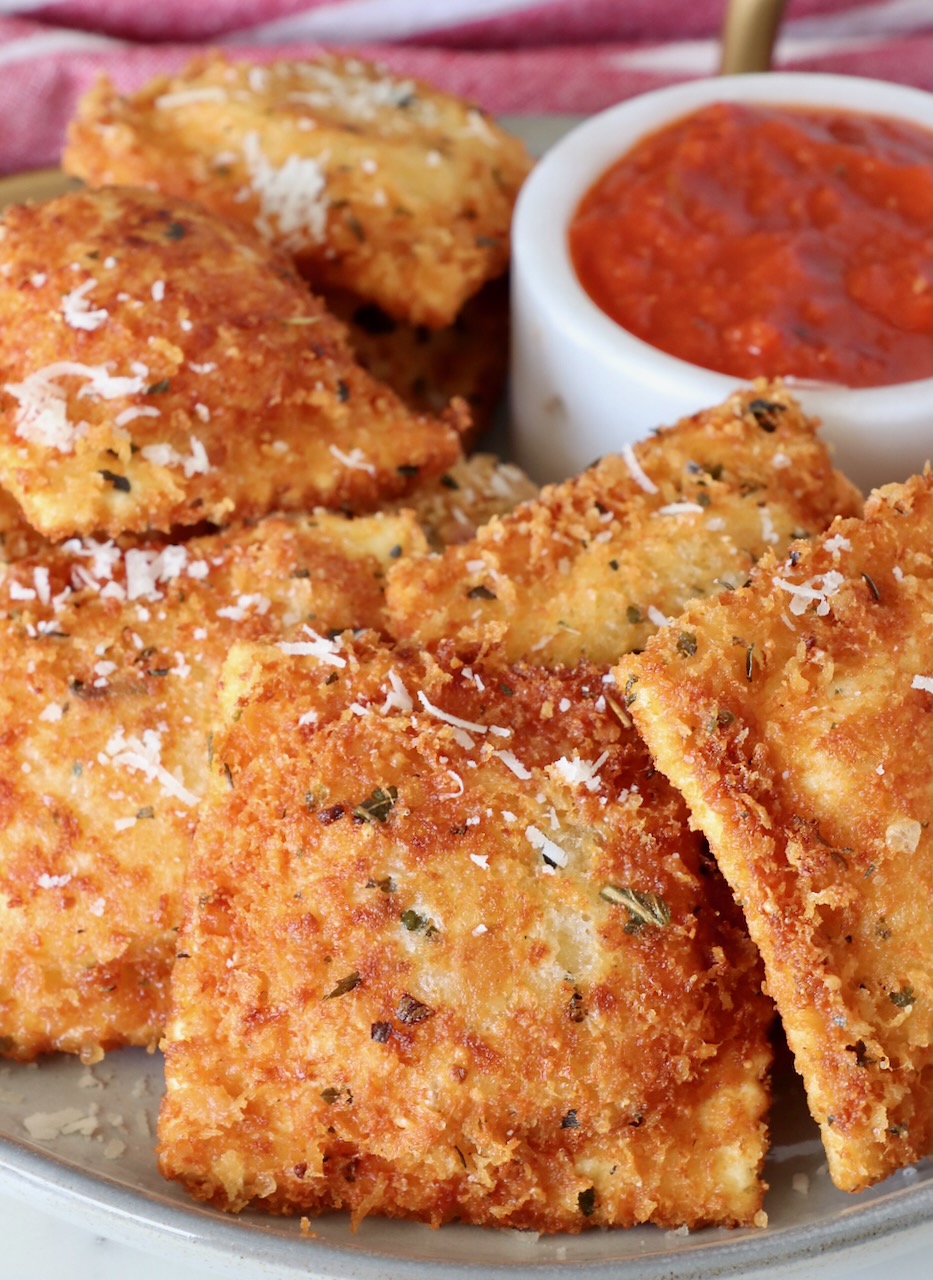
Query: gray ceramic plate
pixel 99 1169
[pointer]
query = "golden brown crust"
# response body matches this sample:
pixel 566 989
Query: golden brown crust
pixel 108 662
pixel 387 187
pixel 161 367
pixel 390 1000
pixel 17 537
pixel 428 368
pixel 594 564
pixel 795 717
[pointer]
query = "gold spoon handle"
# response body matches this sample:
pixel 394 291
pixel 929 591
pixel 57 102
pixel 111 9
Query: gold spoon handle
pixel 749 30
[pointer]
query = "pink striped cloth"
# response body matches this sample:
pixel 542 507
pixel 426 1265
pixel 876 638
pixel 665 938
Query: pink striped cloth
pixel 507 55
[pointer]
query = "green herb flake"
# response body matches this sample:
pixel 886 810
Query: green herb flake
pixel 344 985
pixel 872 587
pixel 687 644
pixel 175 231
pixel 644 906
pixel 412 920
pixel 343 391
pixel 764 413
pixel 120 483
pixel 380 1032
pixel 481 593
pixel 633 614
pixel 904 998
pixel 412 1011
pixel 158 388
pixel 570 1121
pixel 330 1095
pixel 377 806
pixel 587 1201
pixel 146 812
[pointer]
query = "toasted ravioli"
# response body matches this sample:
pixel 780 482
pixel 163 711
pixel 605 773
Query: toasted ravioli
pixel 160 367
pixel 450 950
pixel 795 717
pixel 380 185
pixel 109 661
pixel 595 564
pixel 452 507
pixel 428 368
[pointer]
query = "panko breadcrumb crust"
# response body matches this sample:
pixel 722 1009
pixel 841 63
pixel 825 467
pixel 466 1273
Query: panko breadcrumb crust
pixel 594 565
pixel 160 367
pixel 383 186
pixel 450 951
pixel 108 665
pixel 795 717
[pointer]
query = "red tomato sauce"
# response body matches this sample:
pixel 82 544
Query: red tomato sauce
pixel 765 240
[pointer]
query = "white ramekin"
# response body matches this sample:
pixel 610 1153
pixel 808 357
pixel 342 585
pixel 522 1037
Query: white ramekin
pixel 582 386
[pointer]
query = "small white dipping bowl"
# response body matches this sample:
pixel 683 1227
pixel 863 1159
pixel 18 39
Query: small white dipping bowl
pixel 582 386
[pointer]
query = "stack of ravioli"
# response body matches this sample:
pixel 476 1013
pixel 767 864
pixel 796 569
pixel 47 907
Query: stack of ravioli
pixel 444 833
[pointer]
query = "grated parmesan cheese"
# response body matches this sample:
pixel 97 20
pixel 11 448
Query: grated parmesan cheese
pixel 635 470
pixel 42 413
pixel 355 459
pixel 512 762
pixel 579 772
pixel 553 852
pixel 317 646
pixel 76 308
pixel 292 198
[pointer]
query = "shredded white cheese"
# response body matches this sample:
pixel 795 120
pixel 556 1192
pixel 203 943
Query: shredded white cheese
pixel 579 772
pixel 42 413
pixel 317 646
pixel 635 470
pixel 355 459
pixel 292 198
pixel 512 762
pixel 806 593
pixel 553 852
pixel 144 754
pixel 922 682
pixel 76 308
pixel 680 509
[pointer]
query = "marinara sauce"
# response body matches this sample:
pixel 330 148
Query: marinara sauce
pixel 756 239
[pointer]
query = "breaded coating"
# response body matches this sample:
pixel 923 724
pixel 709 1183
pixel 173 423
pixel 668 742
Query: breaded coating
pixel 469 359
pixel 596 564
pixel 450 950
pixel 17 537
pixel 108 666
pixel 384 186
pixel 161 367
pixel 452 507
pixel 795 717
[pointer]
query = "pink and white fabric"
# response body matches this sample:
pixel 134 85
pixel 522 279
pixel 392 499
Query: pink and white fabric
pixel 507 55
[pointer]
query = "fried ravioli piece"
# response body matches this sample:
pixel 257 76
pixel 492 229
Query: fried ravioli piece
pixel 452 507
pixel 795 717
pixel 109 661
pixel 594 565
pixel 428 368
pixel 161 367
pixel 383 186
pixel 450 950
